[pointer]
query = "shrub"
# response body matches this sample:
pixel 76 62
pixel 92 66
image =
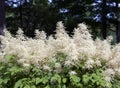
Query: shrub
pixel 59 61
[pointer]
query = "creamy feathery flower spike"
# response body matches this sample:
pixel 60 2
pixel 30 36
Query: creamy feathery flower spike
pixel 40 35
pixel 62 40
pixel 89 63
pixel 60 30
pixel 103 49
pixel 72 73
pixel 109 39
pixel 109 74
pixel 42 51
pixel 84 42
pixel 20 34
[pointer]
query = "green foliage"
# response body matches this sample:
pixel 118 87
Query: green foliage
pixel 95 78
pixel 9 58
pixel 75 81
pixel 13 75
pixel 116 83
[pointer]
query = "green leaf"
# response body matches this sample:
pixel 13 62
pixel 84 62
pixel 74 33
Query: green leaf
pixel 9 57
pixel 64 80
pixel 87 13
pixel 55 78
pixel 38 80
pixel 14 70
pixel 47 86
pixel 9 15
pixel 75 78
pixel 6 80
pixel 18 84
pixel 2 67
pixel 60 57
pixel 45 79
pixel 64 86
pixel 86 79
pixel 33 86
pixel 27 86
pixel 1 81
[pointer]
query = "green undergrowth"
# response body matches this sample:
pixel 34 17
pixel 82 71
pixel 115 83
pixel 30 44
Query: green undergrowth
pixel 13 75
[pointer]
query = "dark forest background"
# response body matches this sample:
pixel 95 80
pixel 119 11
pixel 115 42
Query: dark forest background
pixel 101 16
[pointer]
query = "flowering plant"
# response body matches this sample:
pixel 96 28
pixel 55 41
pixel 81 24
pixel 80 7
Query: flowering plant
pixel 59 61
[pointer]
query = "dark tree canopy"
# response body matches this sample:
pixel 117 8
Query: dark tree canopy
pixel 29 15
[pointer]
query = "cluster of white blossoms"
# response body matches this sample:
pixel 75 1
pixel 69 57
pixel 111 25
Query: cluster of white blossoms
pixel 42 50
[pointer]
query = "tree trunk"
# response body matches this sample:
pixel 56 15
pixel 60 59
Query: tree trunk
pixel 21 20
pixel 118 23
pixel 118 30
pixel 2 16
pixel 104 28
pixel 104 20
